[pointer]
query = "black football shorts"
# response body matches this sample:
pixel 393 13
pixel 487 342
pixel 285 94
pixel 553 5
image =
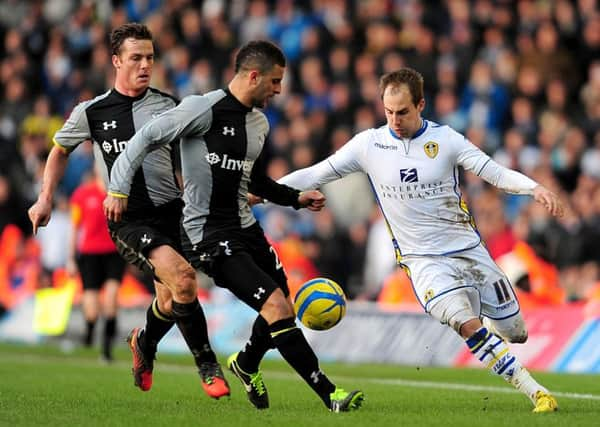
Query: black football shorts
pixel 95 269
pixel 135 238
pixel 242 261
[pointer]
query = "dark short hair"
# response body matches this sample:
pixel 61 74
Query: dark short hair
pixel 125 31
pixel 404 76
pixel 261 55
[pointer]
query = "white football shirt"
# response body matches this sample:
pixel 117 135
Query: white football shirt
pixel 415 181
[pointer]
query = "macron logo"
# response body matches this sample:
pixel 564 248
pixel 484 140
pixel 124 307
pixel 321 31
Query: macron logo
pixel 228 163
pixel 109 125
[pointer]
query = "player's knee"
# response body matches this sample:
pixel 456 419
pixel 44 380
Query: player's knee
pixel 165 304
pixel 519 339
pixel 277 307
pixel 512 329
pixel 453 315
pixel 186 288
pixel 517 335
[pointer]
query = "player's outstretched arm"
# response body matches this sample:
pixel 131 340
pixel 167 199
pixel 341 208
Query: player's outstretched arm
pixel 192 116
pixel 550 200
pixel 39 213
pixel 313 200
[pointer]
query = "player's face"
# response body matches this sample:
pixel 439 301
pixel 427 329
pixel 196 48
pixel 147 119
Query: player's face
pixel 134 65
pixel 267 86
pixel 403 117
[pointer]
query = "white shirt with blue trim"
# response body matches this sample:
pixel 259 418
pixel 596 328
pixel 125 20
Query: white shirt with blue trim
pixel 416 184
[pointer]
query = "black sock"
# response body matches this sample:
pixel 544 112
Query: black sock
pixel 89 332
pixel 294 348
pixel 157 326
pixel 259 343
pixel 110 329
pixel 192 324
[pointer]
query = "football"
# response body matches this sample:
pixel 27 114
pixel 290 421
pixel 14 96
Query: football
pixel 320 304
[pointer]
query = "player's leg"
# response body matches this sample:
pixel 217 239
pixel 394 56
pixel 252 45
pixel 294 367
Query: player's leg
pixel 245 363
pixel 512 329
pixel 143 342
pixel 454 290
pixel 114 267
pixel 178 275
pixel 500 310
pixel 132 240
pixel 266 258
pixel 248 282
pixel 151 250
pixel 460 311
pixel 90 303
pixel 91 278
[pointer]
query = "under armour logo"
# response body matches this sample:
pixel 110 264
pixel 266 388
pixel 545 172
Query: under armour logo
pixel 225 244
pixel 228 131
pixel 146 239
pixel 315 376
pixel 212 158
pixel 111 125
pixel 261 291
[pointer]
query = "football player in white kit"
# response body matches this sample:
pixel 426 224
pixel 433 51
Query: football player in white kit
pixel 412 164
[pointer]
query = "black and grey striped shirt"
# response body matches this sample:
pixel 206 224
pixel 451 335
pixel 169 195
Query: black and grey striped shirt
pixel 221 147
pixel 110 120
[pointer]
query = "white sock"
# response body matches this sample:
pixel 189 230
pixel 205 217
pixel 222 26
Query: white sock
pixel 492 351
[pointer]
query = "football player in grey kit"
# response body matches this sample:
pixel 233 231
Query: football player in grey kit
pixel 148 236
pixel 222 140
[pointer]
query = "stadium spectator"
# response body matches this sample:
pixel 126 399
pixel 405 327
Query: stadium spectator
pixel 12 206
pixel 19 267
pixel 433 233
pixel 221 236
pixel 148 236
pixel 94 256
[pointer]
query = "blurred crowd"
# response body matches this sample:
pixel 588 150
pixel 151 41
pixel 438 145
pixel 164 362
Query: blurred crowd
pixel 521 79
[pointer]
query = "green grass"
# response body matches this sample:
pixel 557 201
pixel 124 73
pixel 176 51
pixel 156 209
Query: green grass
pixel 43 386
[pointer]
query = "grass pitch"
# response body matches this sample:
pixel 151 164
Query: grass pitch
pixel 44 386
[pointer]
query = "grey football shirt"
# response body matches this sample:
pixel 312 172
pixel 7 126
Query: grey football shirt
pixel 221 147
pixel 109 121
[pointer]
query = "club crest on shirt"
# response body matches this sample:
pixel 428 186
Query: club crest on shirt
pixel 431 149
pixel 429 294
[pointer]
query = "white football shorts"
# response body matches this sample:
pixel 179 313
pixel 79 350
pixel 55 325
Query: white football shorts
pixel 441 276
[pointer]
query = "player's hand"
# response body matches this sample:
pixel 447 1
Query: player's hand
pixel 39 213
pixel 114 207
pixel 313 200
pixel 254 200
pixel 549 200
